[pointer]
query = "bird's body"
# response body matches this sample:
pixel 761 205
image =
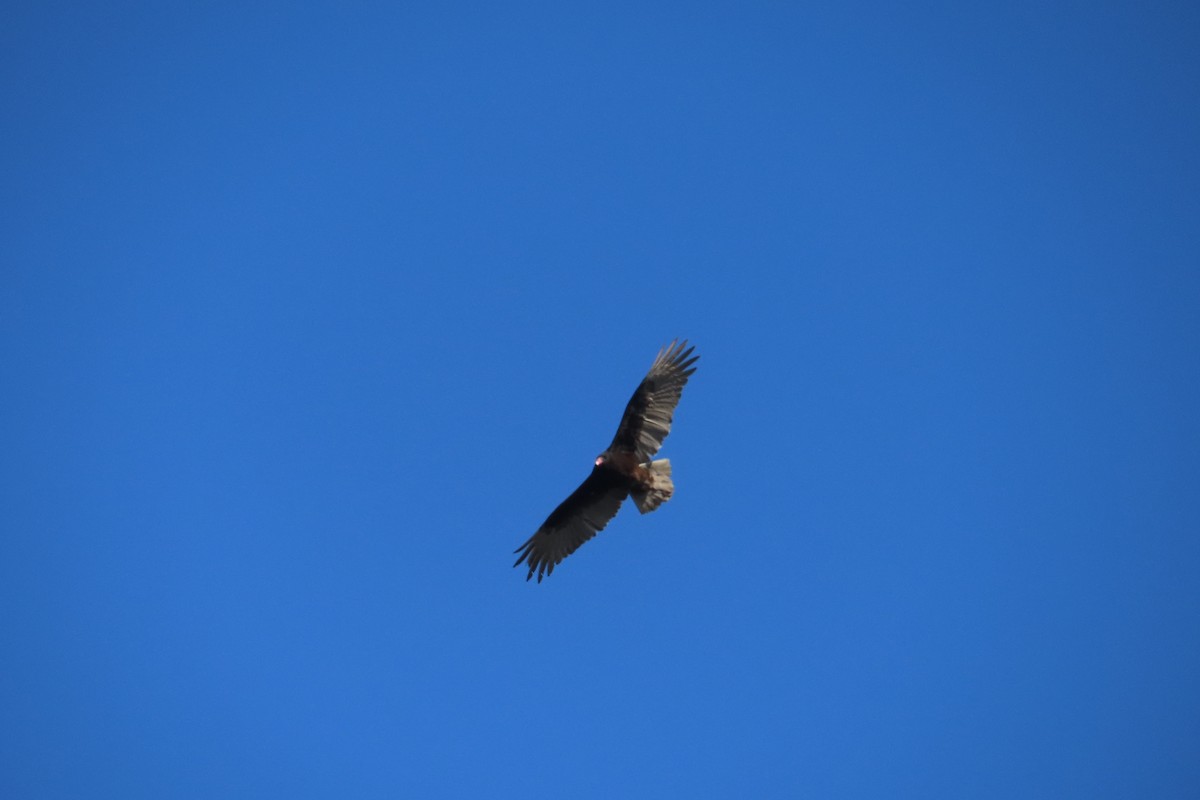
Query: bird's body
pixel 625 468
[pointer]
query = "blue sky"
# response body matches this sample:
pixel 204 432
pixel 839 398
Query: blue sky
pixel 311 314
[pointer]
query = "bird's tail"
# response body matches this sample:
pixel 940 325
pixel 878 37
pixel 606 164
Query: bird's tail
pixel 660 490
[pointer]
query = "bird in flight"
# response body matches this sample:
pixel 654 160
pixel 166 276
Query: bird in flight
pixel 625 468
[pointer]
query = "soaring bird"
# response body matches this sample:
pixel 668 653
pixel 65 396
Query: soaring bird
pixel 625 468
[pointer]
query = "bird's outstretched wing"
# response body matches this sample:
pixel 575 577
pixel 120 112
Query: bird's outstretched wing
pixel 647 419
pixel 577 519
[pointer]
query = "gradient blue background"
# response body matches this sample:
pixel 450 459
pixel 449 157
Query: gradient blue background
pixel 310 315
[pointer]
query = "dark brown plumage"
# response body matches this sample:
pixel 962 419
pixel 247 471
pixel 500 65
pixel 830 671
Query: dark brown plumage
pixel 625 468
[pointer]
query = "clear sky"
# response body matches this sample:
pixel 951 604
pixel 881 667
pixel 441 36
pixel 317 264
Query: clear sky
pixel 311 313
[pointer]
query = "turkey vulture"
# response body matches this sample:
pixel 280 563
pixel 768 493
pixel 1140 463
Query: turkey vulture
pixel 623 469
